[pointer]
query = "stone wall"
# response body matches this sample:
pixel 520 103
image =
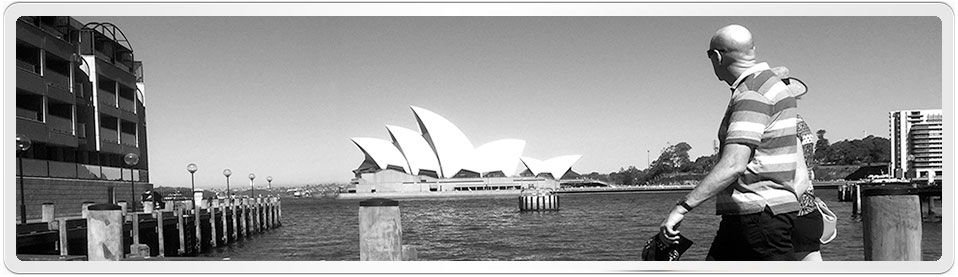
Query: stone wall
pixel 68 195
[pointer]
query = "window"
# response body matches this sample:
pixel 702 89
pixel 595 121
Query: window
pixel 29 105
pixel 28 57
pixel 58 65
pixel 106 84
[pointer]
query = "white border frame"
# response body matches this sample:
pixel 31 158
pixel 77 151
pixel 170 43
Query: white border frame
pixel 940 10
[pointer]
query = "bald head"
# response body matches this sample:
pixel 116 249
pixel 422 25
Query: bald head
pixel 736 51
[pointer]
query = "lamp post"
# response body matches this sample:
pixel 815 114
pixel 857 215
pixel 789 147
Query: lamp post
pixel 23 144
pixel 251 189
pixel 132 159
pixel 227 172
pixel 269 184
pixel 192 169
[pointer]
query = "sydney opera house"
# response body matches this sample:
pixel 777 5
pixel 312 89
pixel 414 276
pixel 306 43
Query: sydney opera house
pixel 439 157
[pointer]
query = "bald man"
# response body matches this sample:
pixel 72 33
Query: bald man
pixel 754 179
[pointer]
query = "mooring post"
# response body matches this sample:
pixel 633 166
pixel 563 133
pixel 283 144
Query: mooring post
pixel 104 232
pixel 62 229
pixel 47 212
pixel 224 208
pixel 135 223
pixel 233 217
pixel 212 211
pixel 161 243
pixel 892 224
pixel 856 201
pixel 380 230
pixel 181 229
pixel 199 236
pixel 266 210
pixel 243 231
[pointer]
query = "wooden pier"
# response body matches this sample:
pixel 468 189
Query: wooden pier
pixel 172 232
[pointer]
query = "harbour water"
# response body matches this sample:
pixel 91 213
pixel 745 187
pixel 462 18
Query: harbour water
pixel 589 227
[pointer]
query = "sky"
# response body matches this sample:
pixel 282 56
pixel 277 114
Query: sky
pixel 282 96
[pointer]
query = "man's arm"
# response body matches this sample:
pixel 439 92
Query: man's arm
pixel 732 163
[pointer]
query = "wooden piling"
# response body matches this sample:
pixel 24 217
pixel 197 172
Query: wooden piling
pixel 224 207
pixel 47 212
pixel 62 230
pixel 244 231
pixel 135 222
pixel 892 224
pixel 233 208
pixel 213 236
pixel 199 235
pixel 380 230
pixel 104 232
pixel 161 243
pixel 856 201
pixel 181 229
pixel 148 207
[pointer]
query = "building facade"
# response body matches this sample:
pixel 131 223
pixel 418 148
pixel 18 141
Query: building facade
pixel 80 101
pixel 916 144
pixel 439 157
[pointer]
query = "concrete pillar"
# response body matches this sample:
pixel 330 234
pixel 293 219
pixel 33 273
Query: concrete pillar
pixel 892 224
pixel 47 212
pixel 104 232
pixel 380 230
pixel 199 236
pixel 181 229
pixel 161 242
pixel 213 235
pixel 83 208
pixel 148 207
pixel 233 209
pixel 243 229
pixel 123 206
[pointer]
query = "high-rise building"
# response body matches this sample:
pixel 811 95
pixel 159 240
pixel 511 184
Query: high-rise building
pixel 80 100
pixel 916 144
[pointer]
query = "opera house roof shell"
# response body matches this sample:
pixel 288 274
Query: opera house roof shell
pixel 442 150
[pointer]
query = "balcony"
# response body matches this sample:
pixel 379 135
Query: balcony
pixel 28 114
pixel 29 67
pixel 54 169
pixel 109 136
pixel 128 139
pixel 127 105
pixel 106 98
pixel 57 80
pixel 60 125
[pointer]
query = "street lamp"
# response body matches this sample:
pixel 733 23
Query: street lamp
pixel 132 159
pixel 227 172
pixel 23 144
pixel 269 184
pixel 251 189
pixel 192 169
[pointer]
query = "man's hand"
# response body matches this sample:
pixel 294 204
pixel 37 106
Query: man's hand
pixel 669 230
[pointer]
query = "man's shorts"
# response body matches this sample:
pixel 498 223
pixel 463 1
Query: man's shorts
pixel 807 232
pixel 760 236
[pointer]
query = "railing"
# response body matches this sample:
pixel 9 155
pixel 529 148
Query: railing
pixel 27 66
pixel 127 105
pixel 57 80
pixel 41 168
pixel 28 114
pixel 128 139
pixel 60 125
pixel 107 98
pixel 109 135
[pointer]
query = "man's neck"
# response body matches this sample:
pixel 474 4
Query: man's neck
pixel 738 68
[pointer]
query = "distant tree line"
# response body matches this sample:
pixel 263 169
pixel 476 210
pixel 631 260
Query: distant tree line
pixel 674 163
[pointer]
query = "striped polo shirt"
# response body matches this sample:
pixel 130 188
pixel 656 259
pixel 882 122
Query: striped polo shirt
pixel 761 115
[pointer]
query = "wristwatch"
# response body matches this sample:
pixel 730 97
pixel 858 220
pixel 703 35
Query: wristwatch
pixel 683 204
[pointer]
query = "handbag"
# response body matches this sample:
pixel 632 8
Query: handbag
pixel 829 222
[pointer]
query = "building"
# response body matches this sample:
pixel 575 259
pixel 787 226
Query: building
pixel 441 158
pixel 916 144
pixel 80 101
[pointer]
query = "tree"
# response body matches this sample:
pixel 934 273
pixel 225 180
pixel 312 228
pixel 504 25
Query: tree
pixel 821 148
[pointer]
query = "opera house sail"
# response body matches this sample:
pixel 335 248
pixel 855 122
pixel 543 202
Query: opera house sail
pixel 440 157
